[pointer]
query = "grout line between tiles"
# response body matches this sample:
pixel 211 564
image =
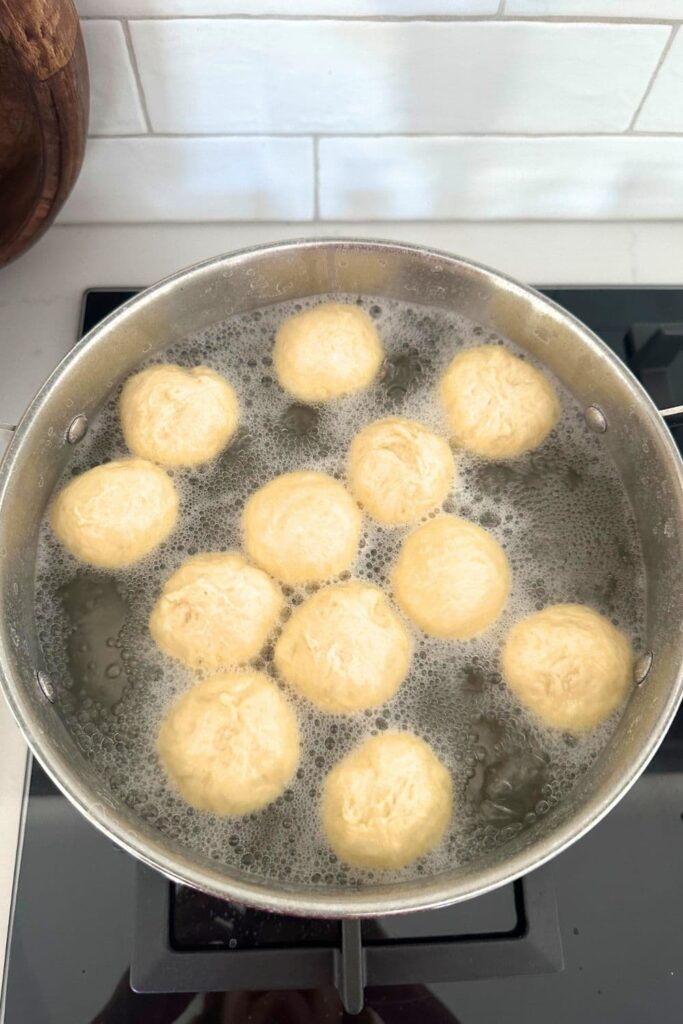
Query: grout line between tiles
pixel 653 78
pixel 493 222
pixel 246 16
pixel 136 74
pixel 393 19
pixel 324 136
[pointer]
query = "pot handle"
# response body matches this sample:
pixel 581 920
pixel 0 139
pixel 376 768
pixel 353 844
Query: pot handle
pixel 673 417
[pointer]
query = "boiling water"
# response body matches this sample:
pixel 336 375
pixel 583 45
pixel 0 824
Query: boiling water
pixel 559 512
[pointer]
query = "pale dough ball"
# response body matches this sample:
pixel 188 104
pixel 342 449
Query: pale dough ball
pixel 325 352
pixel 115 514
pixel 215 611
pixel 178 417
pixel 230 744
pixel 344 648
pixel 452 578
pixel 302 527
pixel 498 405
pixel 398 470
pixel 387 803
pixel 569 665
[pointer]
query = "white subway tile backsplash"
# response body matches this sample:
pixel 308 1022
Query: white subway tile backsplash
pixel 595 8
pixel 114 101
pixel 149 179
pixel 663 108
pixel 267 76
pixel 288 8
pixel 497 178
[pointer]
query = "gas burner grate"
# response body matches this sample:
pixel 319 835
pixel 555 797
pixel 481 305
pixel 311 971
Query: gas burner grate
pixel 301 953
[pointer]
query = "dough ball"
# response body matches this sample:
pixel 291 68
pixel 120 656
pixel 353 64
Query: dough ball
pixel 498 405
pixel 230 744
pixel 452 578
pixel 344 648
pixel 569 665
pixel 302 527
pixel 325 352
pixel 178 417
pixel 115 514
pixel 398 470
pixel 215 611
pixel 387 803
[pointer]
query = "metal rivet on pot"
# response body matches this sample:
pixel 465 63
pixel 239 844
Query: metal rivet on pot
pixel 642 667
pixel 45 683
pixel 595 418
pixel 77 429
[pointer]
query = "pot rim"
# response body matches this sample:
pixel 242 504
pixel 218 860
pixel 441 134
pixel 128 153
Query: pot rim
pixel 180 868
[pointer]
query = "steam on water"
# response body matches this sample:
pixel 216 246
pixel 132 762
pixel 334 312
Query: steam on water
pixel 560 513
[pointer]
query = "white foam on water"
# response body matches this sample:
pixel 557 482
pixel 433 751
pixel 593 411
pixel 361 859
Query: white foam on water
pixel 559 512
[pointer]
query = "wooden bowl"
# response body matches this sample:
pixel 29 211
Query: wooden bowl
pixel 44 100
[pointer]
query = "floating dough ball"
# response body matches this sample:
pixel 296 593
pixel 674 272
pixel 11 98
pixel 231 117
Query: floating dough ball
pixel 178 417
pixel 215 611
pixel 325 352
pixel 344 648
pixel 230 744
pixel 302 527
pixel 569 665
pixel 387 803
pixel 115 514
pixel 498 405
pixel 452 578
pixel 398 470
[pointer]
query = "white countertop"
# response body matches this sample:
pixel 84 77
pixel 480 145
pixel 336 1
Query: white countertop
pixel 40 298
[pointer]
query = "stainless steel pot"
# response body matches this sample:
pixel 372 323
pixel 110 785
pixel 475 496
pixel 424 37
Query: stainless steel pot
pixel 634 434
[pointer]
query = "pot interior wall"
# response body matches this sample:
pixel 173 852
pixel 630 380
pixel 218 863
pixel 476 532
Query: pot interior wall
pixel 647 460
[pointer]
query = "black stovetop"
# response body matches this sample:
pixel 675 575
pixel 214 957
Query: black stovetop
pixel 594 937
